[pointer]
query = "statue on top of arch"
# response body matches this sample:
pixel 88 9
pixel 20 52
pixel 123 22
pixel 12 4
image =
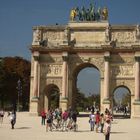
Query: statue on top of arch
pixel 89 14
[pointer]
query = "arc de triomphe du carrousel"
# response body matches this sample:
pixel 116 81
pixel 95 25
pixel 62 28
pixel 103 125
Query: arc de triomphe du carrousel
pixel 88 40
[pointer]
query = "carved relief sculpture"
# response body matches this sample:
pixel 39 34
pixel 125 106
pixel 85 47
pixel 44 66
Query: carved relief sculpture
pixel 122 71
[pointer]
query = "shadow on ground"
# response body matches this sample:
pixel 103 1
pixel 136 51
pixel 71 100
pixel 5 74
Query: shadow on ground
pixel 24 128
pixel 118 132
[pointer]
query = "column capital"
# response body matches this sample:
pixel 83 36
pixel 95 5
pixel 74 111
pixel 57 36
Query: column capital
pixel 136 102
pixel 36 55
pixel 137 56
pixel 107 56
pixel 65 56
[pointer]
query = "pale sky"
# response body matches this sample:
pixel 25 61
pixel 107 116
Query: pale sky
pixel 17 17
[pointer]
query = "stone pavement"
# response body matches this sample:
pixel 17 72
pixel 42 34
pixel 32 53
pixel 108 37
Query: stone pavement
pixel 29 128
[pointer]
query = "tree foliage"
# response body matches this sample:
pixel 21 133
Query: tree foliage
pixel 82 101
pixel 13 69
pixel 126 99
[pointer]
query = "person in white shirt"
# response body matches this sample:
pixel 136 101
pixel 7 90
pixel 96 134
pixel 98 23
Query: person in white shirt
pixel 92 121
pixel 107 129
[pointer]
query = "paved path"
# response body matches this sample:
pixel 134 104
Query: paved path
pixel 29 128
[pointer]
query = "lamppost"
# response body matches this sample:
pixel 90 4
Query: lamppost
pixel 19 89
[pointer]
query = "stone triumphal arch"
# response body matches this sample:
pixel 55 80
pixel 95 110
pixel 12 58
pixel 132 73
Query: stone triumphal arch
pixel 59 52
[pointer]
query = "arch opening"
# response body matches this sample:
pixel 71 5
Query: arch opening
pixel 86 87
pixel 121 102
pixel 52 97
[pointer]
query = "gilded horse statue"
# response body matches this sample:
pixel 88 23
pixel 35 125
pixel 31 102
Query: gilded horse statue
pixel 105 13
pixel 73 14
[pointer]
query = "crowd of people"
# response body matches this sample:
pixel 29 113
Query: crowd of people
pixel 103 121
pixel 122 109
pixel 58 120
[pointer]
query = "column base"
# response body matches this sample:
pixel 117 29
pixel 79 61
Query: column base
pixel 106 101
pixel 106 104
pixel 34 106
pixel 136 109
pixel 64 104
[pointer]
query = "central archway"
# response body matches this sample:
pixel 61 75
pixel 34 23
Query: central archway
pixel 86 91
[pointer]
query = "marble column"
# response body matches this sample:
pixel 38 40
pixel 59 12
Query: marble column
pixel 64 95
pixel 136 104
pixel 65 76
pixel 137 79
pixel 34 103
pixel 106 78
pixel 35 81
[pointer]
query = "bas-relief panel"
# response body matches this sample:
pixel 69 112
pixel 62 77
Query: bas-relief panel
pixel 120 59
pixel 53 35
pixel 123 36
pixel 54 38
pixel 122 71
pixel 88 36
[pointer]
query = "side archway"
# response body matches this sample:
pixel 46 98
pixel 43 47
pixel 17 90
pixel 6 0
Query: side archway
pixel 51 97
pixel 121 102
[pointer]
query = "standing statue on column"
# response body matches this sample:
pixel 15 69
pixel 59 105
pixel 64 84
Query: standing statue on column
pixel 107 34
pixel 36 37
pixel 66 35
pixel 137 32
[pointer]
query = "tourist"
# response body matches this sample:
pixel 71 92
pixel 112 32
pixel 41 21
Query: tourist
pixel 43 117
pixel 64 120
pixel 49 118
pixel 13 119
pixel 125 111
pixel 92 121
pixel 1 115
pixel 107 129
pixel 102 120
pixel 97 118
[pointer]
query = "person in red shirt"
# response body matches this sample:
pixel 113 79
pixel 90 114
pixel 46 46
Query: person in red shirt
pixel 97 120
pixel 43 117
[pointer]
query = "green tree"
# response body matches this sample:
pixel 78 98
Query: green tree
pixel 126 99
pixel 15 68
pixel 2 84
pixel 80 101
